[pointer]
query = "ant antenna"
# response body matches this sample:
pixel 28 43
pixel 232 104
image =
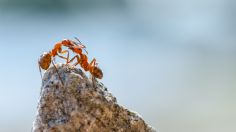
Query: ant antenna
pixel 85 50
pixel 78 40
pixel 81 44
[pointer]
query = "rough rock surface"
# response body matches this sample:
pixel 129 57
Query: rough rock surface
pixel 81 106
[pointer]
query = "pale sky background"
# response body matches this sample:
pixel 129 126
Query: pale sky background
pixel 172 61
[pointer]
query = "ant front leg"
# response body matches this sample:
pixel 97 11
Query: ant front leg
pixel 78 60
pixel 66 58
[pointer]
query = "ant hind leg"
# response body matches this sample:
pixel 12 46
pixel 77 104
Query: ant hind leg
pixel 40 71
pixel 57 73
pixel 93 62
pixel 93 80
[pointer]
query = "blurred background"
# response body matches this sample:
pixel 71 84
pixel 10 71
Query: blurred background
pixel 172 61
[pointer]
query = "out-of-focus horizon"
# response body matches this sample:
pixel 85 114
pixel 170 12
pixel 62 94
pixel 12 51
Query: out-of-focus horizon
pixel 172 61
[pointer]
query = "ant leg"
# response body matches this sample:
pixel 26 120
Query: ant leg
pixel 40 71
pixel 54 59
pixel 78 60
pixel 72 59
pixel 62 57
pixel 93 62
pixel 57 73
pixel 67 58
pixel 93 80
pixel 92 65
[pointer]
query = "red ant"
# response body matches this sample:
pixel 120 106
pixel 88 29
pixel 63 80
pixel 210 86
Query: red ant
pixel 46 59
pixel 92 67
pixel 83 61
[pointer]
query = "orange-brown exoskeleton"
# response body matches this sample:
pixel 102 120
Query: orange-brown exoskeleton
pixel 47 58
pixel 82 59
pixel 75 47
pixel 45 61
pixel 95 70
pixel 92 67
pixel 58 48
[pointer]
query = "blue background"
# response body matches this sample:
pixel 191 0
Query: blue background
pixel 172 61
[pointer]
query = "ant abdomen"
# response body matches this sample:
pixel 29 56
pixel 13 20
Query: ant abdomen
pixel 97 72
pixel 45 60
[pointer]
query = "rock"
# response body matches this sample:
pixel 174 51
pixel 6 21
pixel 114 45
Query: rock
pixel 78 105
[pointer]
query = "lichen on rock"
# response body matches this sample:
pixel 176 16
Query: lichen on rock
pixel 78 105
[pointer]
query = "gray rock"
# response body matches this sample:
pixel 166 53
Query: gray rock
pixel 78 105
